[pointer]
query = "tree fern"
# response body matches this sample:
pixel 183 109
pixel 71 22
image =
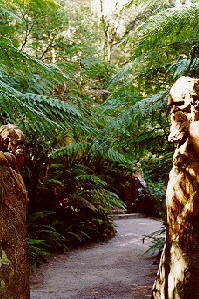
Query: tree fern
pixel 168 28
pixel 161 40
pixel 17 63
pixel 33 111
pixel 162 48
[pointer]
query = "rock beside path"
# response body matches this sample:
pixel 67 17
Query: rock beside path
pixel 117 269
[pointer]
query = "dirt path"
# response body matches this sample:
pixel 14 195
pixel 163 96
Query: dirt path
pixel 113 270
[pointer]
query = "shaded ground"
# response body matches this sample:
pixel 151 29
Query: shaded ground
pixel 113 270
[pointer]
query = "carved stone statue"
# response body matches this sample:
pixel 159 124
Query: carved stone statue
pixel 178 276
pixel 14 271
pixel 12 143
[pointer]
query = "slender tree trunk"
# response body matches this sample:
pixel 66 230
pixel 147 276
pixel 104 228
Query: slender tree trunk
pixel 14 271
pixel 178 276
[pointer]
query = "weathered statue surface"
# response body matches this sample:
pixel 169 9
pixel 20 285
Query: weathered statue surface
pixel 178 276
pixel 14 272
pixel 12 144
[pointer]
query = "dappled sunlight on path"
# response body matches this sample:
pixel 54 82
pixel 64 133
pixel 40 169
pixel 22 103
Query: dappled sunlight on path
pixel 116 269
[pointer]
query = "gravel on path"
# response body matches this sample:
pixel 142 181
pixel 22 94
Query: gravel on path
pixel 117 269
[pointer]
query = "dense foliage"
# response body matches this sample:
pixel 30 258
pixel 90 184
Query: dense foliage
pixel 89 120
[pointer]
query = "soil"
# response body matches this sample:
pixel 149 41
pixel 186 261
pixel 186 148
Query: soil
pixel 117 269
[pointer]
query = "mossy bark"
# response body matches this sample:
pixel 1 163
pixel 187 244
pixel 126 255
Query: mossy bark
pixel 14 270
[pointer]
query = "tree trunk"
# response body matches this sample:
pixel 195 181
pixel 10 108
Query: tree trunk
pixel 178 275
pixel 14 271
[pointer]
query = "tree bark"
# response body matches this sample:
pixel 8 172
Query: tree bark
pixel 14 270
pixel 178 275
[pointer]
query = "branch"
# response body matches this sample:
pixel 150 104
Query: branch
pixel 48 48
pixel 27 34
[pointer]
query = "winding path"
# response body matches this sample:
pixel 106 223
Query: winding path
pixel 117 269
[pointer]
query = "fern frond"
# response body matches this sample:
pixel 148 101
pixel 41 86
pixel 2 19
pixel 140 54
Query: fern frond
pixel 77 236
pixel 91 178
pixel 143 108
pixel 82 201
pixel 184 67
pixel 36 242
pixel 17 63
pixel 149 105
pixel 107 198
pixel 77 149
pixel 38 252
pixel 122 74
pixel 37 216
pixel 168 27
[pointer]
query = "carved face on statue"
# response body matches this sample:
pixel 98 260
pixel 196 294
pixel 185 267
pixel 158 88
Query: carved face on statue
pixel 13 141
pixel 184 103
